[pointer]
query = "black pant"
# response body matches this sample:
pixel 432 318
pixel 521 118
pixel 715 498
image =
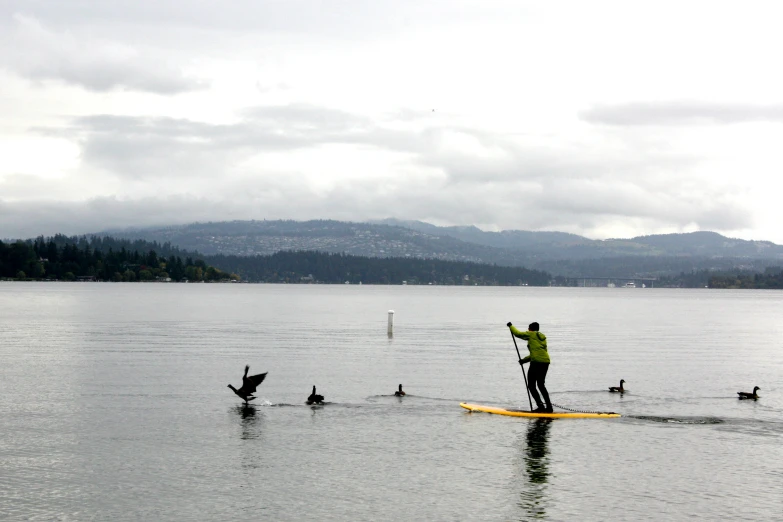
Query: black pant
pixel 536 375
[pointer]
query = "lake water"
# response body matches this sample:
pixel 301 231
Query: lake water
pixel 114 403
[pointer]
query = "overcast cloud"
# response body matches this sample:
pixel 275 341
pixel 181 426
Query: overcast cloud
pixel 580 117
pixel 682 113
pixel 96 64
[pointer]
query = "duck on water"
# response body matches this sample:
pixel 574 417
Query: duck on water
pixel 618 388
pixel 399 392
pixel 748 395
pixel 249 385
pixel 315 398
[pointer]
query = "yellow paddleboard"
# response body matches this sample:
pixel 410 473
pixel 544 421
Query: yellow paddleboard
pixel 521 413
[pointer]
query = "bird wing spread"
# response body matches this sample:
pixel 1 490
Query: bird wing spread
pixel 255 380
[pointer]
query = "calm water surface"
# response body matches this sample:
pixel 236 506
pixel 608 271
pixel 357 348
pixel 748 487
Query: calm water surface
pixel 114 404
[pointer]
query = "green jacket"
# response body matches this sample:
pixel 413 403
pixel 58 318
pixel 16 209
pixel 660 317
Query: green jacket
pixel 536 343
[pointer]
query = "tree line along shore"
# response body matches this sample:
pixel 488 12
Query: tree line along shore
pixel 104 258
pixel 61 260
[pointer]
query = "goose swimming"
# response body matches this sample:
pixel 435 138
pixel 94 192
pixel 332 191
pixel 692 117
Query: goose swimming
pixel 314 398
pixel 618 388
pixel 249 385
pixel 747 395
pixel 399 392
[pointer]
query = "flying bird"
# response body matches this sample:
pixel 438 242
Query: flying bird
pixel 399 392
pixel 314 398
pixel 618 388
pixel 748 395
pixel 249 385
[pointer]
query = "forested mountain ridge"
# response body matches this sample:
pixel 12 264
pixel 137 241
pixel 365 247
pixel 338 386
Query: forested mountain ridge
pixel 509 239
pixel 558 253
pixel 247 238
pixel 562 245
pixel 708 244
pixel 417 239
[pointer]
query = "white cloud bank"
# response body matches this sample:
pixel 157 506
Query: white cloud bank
pixel 503 115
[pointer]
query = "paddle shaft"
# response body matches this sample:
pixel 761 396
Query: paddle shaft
pixel 523 371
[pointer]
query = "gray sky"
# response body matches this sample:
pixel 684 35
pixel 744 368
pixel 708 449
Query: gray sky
pixel 606 119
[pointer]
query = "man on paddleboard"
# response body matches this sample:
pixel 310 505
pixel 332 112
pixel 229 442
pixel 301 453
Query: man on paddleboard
pixel 539 364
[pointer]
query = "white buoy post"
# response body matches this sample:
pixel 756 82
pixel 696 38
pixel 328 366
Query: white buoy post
pixel 390 328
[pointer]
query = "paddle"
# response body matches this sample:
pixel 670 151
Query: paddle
pixel 523 370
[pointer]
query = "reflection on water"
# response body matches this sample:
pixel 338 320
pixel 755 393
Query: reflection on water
pixel 250 456
pixel 536 463
pixel 249 421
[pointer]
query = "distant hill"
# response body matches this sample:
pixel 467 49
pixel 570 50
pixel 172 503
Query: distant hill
pixel 246 238
pixel 509 239
pixel 561 245
pixel 560 253
pixel 708 244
